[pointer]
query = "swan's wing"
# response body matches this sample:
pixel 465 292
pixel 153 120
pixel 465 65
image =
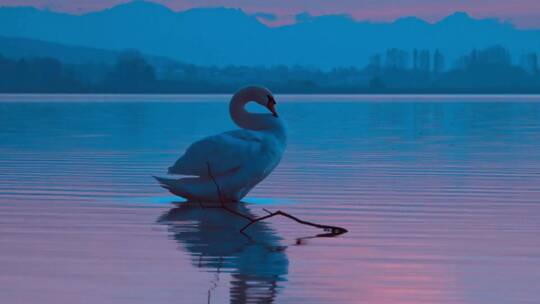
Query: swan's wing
pixel 224 152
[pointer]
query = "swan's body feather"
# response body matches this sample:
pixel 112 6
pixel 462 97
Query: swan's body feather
pixel 224 152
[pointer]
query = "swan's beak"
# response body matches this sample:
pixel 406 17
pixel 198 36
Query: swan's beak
pixel 271 105
pixel 272 108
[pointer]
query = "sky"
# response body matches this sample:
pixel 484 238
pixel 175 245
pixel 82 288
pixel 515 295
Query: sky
pixel 522 13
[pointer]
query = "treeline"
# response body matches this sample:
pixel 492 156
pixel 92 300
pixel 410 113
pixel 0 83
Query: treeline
pixel 490 70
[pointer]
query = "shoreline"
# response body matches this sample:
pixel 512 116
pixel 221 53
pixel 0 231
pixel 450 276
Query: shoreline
pixel 78 97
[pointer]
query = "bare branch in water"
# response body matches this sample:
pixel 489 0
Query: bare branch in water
pixel 331 230
pixel 221 199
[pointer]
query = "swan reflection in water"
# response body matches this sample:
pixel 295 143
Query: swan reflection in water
pixel 258 264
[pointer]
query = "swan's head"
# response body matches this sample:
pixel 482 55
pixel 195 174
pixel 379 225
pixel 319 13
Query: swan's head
pixel 260 95
pixel 254 121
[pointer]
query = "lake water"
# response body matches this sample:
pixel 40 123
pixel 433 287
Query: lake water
pixel 441 197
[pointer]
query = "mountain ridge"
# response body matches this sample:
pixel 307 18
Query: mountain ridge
pixel 226 36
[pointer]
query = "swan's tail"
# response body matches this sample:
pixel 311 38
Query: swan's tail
pixel 173 185
pixel 164 182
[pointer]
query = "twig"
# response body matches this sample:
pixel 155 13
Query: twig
pixel 334 230
pixel 331 230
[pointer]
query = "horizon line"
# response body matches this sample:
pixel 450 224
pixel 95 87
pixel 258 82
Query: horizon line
pixel 294 97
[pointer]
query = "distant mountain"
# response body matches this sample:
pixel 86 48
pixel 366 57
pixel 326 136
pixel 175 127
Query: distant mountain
pixel 18 48
pixel 220 36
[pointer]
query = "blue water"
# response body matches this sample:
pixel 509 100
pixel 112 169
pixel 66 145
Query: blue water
pixel 440 195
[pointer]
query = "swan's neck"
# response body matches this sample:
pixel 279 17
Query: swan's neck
pixel 252 121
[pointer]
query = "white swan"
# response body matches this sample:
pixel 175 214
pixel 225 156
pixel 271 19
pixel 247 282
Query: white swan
pixel 238 159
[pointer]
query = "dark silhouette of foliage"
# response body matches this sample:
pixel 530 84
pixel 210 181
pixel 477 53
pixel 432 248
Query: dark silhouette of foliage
pixel 529 62
pixel 36 75
pixel 376 84
pixel 438 63
pixel 131 74
pixel 489 70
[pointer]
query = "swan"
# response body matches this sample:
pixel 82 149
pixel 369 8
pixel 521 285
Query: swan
pixel 237 160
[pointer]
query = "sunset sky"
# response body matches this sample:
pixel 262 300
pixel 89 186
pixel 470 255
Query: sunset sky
pixel 523 13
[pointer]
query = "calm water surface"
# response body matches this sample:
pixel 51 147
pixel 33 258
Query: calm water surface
pixel 441 198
